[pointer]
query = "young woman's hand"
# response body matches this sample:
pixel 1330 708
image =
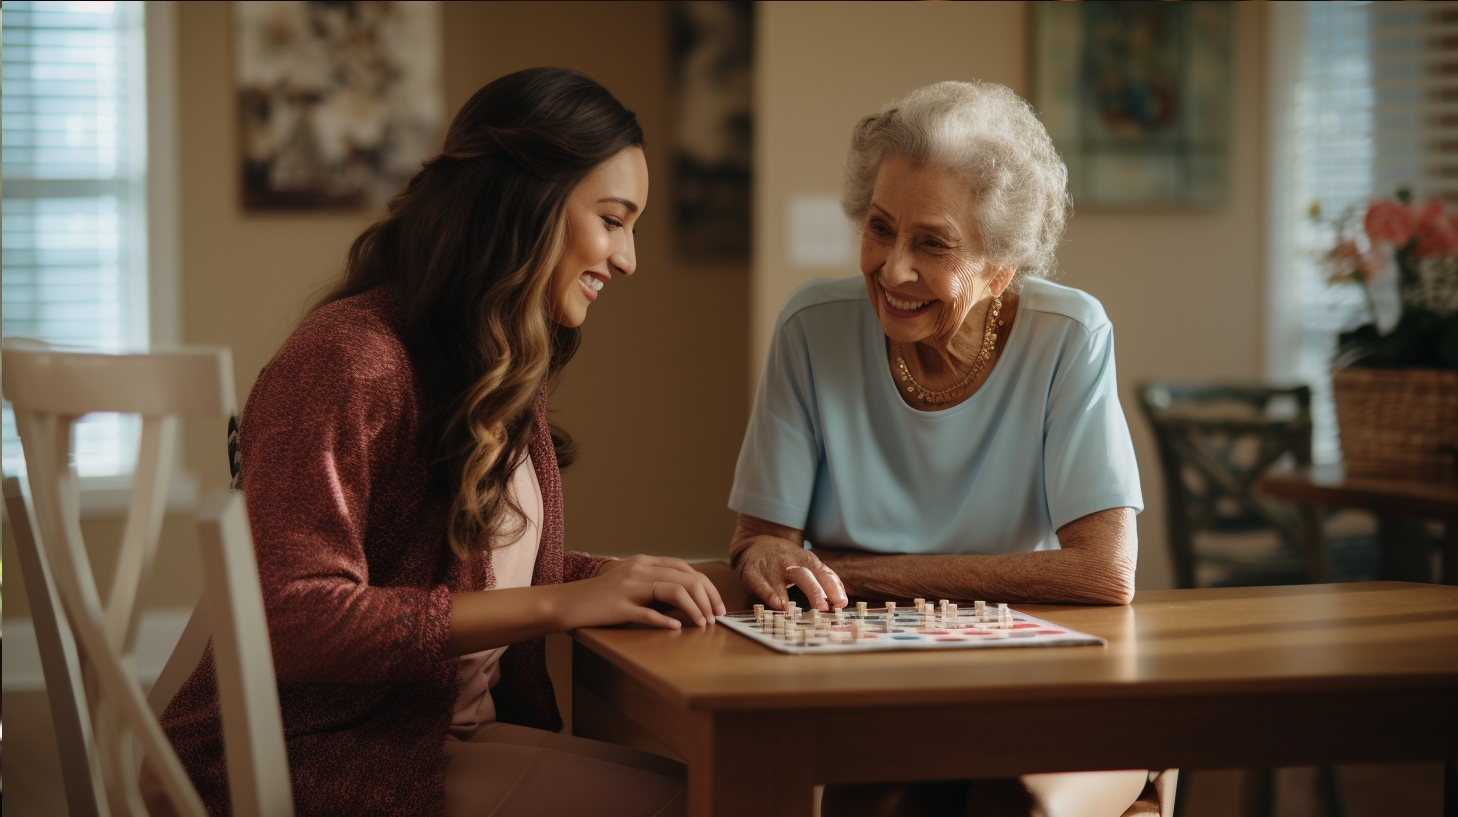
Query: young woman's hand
pixel 623 590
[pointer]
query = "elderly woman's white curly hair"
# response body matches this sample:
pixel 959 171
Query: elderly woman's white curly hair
pixel 992 140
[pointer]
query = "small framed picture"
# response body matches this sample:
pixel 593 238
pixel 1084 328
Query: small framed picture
pixel 338 103
pixel 1137 99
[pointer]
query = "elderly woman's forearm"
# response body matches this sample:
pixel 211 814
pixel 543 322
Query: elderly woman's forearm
pixel 1059 576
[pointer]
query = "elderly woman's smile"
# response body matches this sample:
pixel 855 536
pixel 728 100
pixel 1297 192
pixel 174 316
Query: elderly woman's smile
pixel 903 306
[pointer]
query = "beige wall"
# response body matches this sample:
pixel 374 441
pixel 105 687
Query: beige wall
pixel 656 398
pixel 1183 288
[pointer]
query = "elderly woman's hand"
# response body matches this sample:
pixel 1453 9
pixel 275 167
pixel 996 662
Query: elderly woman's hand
pixel 772 558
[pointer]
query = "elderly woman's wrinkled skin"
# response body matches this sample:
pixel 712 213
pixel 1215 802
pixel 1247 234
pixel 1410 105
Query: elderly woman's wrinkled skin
pixel 918 243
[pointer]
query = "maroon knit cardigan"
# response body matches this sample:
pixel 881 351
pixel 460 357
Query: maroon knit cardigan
pixel 357 576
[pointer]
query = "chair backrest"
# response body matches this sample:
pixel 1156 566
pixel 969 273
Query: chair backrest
pixel 1214 442
pixel 88 641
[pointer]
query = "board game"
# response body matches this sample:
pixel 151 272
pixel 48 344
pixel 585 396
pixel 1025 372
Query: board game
pixel 924 626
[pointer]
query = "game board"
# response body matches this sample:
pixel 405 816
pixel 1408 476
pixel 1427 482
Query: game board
pixel 923 626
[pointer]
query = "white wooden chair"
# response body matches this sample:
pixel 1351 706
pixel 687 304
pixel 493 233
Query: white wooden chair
pixel 87 642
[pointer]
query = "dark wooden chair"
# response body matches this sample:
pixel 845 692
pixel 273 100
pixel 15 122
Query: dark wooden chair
pixel 1214 442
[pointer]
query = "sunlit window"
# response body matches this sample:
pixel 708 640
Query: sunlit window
pixel 74 195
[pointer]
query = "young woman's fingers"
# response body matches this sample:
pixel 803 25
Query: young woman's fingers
pixel 697 597
pixel 834 588
pixel 669 562
pixel 708 594
pixel 670 592
pixel 653 618
pixel 698 604
pixel 692 581
pixel 715 599
pixel 678 564
pixel 711 593
pixel 701 598
pixel 804 578
pixel 665 573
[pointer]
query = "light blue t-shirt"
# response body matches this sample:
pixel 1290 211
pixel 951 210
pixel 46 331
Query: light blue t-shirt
pixel 833 450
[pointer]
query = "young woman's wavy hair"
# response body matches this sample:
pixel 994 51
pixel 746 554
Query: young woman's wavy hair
pixel 468 249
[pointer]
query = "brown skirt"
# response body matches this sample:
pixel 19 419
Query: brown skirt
pixel 504 770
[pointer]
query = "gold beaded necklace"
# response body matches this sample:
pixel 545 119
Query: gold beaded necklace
pixel 989 339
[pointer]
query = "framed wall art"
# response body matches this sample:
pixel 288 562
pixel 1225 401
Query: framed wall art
pixel 1137 99
pixel 338 102
pixel 713 76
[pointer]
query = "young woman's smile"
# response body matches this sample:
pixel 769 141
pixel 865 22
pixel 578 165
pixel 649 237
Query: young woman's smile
pixel 592 283
pixel 601 214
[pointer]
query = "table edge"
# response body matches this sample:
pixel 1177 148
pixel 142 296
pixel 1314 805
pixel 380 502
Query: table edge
pixel 1086 692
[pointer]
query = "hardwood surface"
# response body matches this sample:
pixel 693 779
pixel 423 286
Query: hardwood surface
pixel 1401 507
pixel 1220 678
pixel 1327 485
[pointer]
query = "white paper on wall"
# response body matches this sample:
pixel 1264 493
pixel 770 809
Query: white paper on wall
pixel 819 234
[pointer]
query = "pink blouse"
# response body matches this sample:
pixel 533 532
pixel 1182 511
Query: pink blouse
pixel 480 671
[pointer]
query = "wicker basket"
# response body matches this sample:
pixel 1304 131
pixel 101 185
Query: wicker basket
pixel 1398 423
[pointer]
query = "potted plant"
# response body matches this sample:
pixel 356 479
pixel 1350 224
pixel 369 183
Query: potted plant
pixel 1396 391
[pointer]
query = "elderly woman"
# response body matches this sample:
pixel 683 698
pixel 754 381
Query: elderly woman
pixel 947 426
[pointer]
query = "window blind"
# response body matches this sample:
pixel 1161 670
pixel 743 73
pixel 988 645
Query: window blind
pixel 1414 54
pixel 73 155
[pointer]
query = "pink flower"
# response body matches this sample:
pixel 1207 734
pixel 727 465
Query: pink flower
pixel 1435 238
pixel 1430 210
pixel 1390 222
pixel 1436 235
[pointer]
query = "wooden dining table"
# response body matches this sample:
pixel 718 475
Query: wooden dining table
pixel 1189 679
pixel 1402 507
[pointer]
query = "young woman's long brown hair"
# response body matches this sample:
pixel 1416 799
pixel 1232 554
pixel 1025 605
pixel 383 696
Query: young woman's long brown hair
pixel 468 249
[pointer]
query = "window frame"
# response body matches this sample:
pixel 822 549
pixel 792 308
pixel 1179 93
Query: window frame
pixel 1285 54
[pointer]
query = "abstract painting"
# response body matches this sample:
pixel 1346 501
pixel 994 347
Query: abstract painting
pixel 338 102
pixel 712 74
pixel 1137 99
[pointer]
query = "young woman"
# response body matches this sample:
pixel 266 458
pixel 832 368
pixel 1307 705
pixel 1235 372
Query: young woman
pixel 404 492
